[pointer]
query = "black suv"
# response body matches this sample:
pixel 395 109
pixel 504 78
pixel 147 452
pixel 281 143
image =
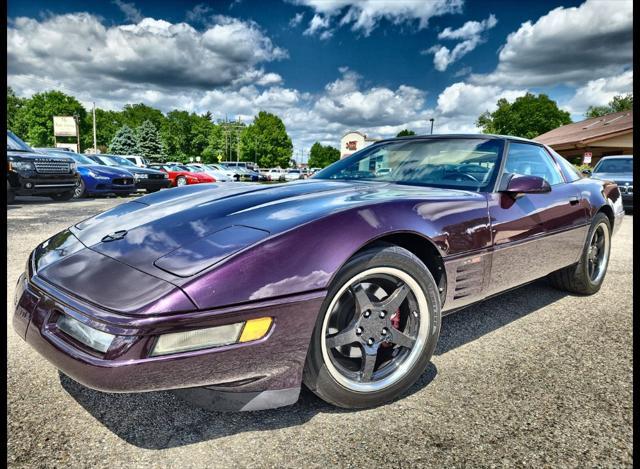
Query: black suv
pixel 32 173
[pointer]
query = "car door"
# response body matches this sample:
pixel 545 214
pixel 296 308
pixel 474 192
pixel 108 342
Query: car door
pixel 533 234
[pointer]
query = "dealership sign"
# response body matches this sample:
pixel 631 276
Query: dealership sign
pixel 64 126
pixel 586 158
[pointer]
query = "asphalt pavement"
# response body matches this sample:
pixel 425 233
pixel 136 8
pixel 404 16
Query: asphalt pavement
pixel 534 378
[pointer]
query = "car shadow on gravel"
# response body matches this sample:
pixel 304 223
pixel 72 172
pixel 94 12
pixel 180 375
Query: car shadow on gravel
pixel 160 420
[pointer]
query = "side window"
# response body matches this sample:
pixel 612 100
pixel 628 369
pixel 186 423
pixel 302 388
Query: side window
pixel 570 172
pixel 532 160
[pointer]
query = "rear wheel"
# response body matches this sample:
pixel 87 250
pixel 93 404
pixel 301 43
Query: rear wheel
pixel 586 277
pixel 60 196
pixel 181 181
pixel 376 331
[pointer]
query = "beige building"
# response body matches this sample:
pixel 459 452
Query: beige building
pixel 354 141
pixel 607 135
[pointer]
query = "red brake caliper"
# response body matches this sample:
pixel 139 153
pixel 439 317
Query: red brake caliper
pixel 395 322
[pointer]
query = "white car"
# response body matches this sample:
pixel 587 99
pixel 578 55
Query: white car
pixel 292 175
pixel 275 174
pixel 137 160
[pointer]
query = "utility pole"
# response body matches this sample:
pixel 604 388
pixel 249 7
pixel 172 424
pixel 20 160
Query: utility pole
pixel 431 120
pixel 95 145
pixel 76 118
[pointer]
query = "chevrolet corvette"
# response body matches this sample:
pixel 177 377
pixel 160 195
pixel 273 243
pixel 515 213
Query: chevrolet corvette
pixel 235 297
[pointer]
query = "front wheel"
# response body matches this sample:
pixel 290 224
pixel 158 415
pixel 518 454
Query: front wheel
pixel 586 277
pixel 376 331
pixel 11 196
pixel 80 191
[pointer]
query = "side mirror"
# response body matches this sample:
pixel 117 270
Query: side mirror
pixel 586 172
pixel 527 185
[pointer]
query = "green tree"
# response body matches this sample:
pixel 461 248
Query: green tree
pixel 149 143
pixel 617 104
pixel 176 134
pixel 134 115
pixel 267 139
pixel 321 155
pixel 405 133
pixel 33 121
pixel 124 142
pixel 528 116
pixel 107 124
pixel 14 103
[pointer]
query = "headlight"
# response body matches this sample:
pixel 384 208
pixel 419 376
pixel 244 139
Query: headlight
pixel 91 173
pixel 89 336
pixel 141 176
pixel 21 165
pixel 165 175
pixel 209 337
pixel 73 166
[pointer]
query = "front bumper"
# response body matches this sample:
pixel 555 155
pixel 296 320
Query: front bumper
pixel 273 363
pixel 152 184
pixel 32 183
pixel 108 186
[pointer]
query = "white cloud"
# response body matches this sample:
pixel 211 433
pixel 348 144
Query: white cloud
pixel 364 15
pixel 296 20
pixel 319 24
pixel 130 11
pixel 471 35
pixel 567 45
pixel 346 103
pixel 88 55
pixel 464 99
pixel 600 92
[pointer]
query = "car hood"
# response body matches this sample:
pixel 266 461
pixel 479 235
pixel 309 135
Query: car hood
pixel 178 233
pixel 139 170
pixel 109 171
pixel 618 178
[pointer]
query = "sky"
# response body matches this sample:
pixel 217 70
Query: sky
pixel 324 66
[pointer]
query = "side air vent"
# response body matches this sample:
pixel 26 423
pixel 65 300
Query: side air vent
pixel 469 278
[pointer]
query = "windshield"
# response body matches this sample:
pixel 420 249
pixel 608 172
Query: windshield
pixel 195 169
pixel 121 161
pixel 614 165
pixel 15 144
pixel 80 159
pixel 462 163
pixel 105 160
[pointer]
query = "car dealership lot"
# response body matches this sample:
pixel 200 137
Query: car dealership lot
pixel 534 377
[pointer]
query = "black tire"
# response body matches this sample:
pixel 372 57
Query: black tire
pixel 151 191
pixel 319 379
pixel 80 191
pixel 11 196
pixel 577 278
pixel 62 196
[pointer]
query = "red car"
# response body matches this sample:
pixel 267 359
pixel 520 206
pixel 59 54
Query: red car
pixel 180 175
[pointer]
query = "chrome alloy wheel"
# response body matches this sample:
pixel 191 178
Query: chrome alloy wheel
pixel 598 253
pixel 181 181
pixel 375 329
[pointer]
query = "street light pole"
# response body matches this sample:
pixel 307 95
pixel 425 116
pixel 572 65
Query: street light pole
pixel 95 146
pixel 431 125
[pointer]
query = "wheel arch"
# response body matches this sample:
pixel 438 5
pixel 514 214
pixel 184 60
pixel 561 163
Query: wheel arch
pixel 420 246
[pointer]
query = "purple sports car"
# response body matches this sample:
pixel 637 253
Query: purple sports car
pixel 234 296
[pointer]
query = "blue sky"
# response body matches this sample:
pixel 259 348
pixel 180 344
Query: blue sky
pixel 325 66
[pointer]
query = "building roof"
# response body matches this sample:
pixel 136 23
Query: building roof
pixel 589 130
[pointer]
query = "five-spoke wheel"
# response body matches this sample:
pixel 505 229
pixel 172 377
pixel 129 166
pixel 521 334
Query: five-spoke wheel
pixel 377 331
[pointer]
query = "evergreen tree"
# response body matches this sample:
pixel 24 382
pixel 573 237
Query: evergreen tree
pixel 149 143
pixel 124 142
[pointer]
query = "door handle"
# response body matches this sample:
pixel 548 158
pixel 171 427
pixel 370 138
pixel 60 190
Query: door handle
pixel 573 200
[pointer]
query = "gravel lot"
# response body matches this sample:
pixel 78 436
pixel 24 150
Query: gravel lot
pixel 532 378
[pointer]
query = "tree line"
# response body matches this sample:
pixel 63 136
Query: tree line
pixel 143 130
